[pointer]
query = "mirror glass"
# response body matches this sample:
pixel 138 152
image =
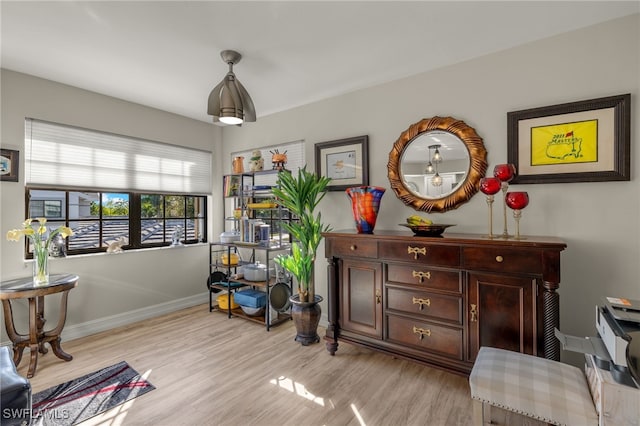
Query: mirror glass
pixel 436 164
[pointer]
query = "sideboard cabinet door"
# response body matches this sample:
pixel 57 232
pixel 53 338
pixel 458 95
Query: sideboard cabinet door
pixel 361 301
pixel 501 313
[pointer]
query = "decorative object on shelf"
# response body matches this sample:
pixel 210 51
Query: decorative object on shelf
pixel 585 141
pixel 433 230
pixel 116 246
pixel 232 259
pixel 301 195
pixel 238 164
pixel 255 272
pixel 256 162
pixel 176 236
pixel 9 165
pixel 490 186
pixel 345 161
pixel 229 102
pixel 365 203
pixel 230 236
pixel 278 160
pixel 407 156
pixel 40 243
pixel 504 172
pixel 517 200
pixel 58 247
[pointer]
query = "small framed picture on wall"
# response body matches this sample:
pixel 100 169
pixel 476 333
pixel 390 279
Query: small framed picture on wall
pixel 9 165
pixel 345 161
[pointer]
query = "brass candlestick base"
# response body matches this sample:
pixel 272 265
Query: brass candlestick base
pixel 505 188
pixel 490 199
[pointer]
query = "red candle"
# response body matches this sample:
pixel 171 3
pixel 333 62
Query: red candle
pixel 490 185
pixel 517 200
pixel 504 172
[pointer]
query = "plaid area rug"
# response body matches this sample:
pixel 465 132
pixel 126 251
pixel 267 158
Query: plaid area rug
pixel 75 401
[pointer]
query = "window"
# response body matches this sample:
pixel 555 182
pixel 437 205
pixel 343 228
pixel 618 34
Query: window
pixel 50 209
pixel 107 187
pixel 101 218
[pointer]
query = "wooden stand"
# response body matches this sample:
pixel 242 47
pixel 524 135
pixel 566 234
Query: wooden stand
pixel 24 288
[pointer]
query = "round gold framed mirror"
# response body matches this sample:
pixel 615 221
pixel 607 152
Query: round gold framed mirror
pixel 436 164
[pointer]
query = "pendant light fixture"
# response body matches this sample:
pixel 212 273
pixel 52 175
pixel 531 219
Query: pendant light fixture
pixel 429 168
pixel 436 180
pixel 437 158
pixel 229 102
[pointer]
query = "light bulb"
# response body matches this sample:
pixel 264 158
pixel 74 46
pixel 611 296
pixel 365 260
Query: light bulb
pixel 429 168
pixel 230 120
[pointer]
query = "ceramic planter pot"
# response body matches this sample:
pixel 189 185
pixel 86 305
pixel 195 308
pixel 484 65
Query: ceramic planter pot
pixel 306 317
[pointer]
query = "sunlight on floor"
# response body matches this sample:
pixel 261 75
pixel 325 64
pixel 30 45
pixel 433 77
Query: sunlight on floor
pixel 115 416
pixel 297 388
pixel 358 416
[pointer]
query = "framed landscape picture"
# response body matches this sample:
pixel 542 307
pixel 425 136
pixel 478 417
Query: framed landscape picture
pixel 584 141
pixel 345 161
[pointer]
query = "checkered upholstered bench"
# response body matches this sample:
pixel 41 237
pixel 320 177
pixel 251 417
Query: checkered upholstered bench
pixel 528 388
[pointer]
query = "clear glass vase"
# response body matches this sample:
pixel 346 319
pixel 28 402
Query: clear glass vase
pixel 40 268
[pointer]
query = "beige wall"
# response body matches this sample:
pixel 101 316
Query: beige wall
pixel 112 288
pixel 600 222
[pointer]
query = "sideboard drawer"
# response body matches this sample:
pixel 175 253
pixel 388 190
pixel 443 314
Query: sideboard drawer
pixel 425 335
pixel 505 259
pixel 354 248
pixel 421 275
pixel 447 308
pixel 424 253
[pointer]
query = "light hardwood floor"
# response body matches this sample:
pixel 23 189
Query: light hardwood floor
pixel 211 370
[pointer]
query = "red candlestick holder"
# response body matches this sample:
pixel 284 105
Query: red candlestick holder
pixel 505 173
pixel 490 186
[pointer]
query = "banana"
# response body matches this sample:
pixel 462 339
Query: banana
pixel 417 220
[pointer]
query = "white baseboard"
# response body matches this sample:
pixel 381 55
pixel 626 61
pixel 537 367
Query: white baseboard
pixel 88 328
pixel 102 324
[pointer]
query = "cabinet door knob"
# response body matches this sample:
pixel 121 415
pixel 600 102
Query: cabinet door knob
pixel 416 251
pixel 353 247
pixel 422 332
pixel 499 259
pixel 421 275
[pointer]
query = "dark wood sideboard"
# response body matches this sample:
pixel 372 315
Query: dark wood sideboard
pixel 438 300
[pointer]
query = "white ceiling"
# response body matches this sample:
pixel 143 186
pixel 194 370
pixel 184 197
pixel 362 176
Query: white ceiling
pixel 167 54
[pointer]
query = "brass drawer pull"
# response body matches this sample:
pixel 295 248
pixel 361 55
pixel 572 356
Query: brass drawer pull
pixel 353 247
pixel 474 313
pixel 416 251
pixel 421 302
pixel 421 275
pixel 422 332
pixel 499 259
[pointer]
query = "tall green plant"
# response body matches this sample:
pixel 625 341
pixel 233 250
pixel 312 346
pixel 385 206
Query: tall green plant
pixel 301 195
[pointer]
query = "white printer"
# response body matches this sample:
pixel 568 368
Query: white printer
pixel 617 346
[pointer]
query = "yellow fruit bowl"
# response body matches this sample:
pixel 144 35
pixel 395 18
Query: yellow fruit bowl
pixel 433 230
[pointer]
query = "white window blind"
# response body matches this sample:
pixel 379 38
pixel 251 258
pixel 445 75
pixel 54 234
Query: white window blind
pixel 295 159
pixel 58 155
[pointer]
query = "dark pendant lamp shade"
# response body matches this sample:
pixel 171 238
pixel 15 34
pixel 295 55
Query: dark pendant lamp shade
pixel 229 102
